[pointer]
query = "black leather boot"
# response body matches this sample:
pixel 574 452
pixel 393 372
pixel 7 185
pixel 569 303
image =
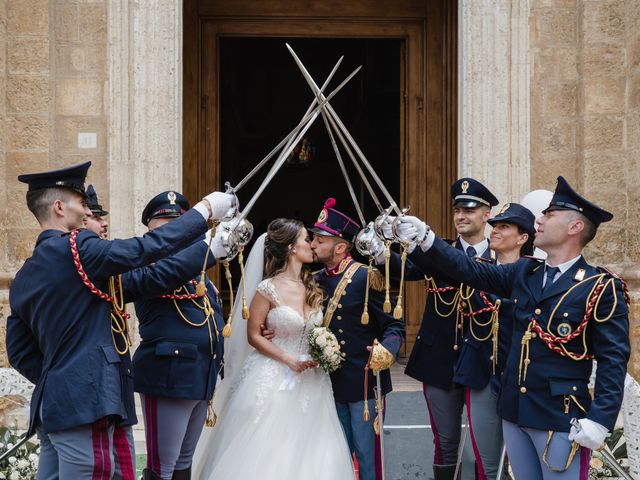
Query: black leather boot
pixel 445 472
pixel 182 474
pixel 150 475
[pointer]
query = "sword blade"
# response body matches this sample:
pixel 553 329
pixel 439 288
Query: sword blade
pixel 613 463
pixel 501 464
pixel 332 113
pixel 283 156
pixel 380 402
pixel 460 452
pixel 343 169
pixel 291 134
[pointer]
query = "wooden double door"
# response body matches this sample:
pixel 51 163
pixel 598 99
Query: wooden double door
pixel 243 93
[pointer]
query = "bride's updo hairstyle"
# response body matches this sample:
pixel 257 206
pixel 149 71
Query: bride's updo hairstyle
pixel 282 234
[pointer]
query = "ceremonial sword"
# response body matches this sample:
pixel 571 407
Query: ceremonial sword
pixel 307 115
pixel 334 118
pixel 606 454
pixel 283 156
pixel 380 403
pixel 460 453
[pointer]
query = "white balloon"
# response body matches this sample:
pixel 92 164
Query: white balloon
pixel 537 201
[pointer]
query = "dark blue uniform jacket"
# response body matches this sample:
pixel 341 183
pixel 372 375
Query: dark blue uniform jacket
pixel 348 380
pixel 438 352
pixel 59 333
pixel 555 388
pixel 175 359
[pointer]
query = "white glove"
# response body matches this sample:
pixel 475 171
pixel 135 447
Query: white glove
pixel 590 434
pixel 386 227
pixel 216 247
pixel 412 229
pixel 221 204
pixel 378 250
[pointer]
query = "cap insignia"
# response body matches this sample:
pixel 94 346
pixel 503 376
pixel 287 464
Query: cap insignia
pixel 324 214
pixel 171 196
pixel 465 186
pixel 505 208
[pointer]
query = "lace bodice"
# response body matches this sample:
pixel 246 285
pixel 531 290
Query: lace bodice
pixel 289 327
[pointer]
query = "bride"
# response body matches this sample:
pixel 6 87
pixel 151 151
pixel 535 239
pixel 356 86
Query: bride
pixel 277 418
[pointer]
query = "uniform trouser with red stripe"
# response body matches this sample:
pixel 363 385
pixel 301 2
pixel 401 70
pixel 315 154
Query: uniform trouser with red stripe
pixel 485 428
pixel 172 429
pixel 526 447
pixel 445 417
pixel 99 451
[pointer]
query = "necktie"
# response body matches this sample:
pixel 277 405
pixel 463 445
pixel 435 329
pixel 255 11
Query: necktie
pixel 551 273
pixel 471 252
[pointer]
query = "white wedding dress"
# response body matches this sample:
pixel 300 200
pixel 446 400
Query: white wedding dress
pixel 276 424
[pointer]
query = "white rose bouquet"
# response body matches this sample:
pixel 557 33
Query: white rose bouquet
pixel 325 349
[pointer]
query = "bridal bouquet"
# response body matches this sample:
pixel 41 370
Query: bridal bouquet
pixel 325 349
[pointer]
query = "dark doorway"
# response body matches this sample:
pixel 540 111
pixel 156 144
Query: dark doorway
pixel 263 96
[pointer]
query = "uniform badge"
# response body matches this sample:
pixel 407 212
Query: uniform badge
pixel 505 208
pixel 579 276
pixel 564 329
pixel 324 214
pixel 171 196
pixel 465 186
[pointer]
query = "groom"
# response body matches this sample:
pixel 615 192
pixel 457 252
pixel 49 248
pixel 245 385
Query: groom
pixel 345 283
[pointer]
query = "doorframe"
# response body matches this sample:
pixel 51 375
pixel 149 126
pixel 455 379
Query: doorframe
pixel 428 120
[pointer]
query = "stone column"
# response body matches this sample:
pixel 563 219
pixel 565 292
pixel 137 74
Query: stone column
pixel 145 107
pixel 494 95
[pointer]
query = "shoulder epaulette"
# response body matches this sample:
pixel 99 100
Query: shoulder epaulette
pixel 608 272
pixel 376 279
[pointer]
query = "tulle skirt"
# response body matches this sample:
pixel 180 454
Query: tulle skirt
pixel 276 425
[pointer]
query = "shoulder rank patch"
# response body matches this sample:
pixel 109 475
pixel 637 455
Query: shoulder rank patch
pixel 579 276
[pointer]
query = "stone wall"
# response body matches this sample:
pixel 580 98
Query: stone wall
pixel 113 69
pixel 53 67
pixel 585 121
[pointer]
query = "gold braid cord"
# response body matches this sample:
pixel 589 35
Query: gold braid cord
pixel 209 320
pixel 245 309
pixel 364 318
pixel 119 315
pixel 386 307
pixel 201 289
pixel 558 343
pixel 334 301
pixel 226 331
pixel 397 312
pixel 432 288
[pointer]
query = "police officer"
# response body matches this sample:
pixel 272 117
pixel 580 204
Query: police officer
pixel 124 445
pixel 178 359
pixel 67 329
pixel 345 283
pixel 486 343
pixel 96 222
pixel 452 310
pixel 567 313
